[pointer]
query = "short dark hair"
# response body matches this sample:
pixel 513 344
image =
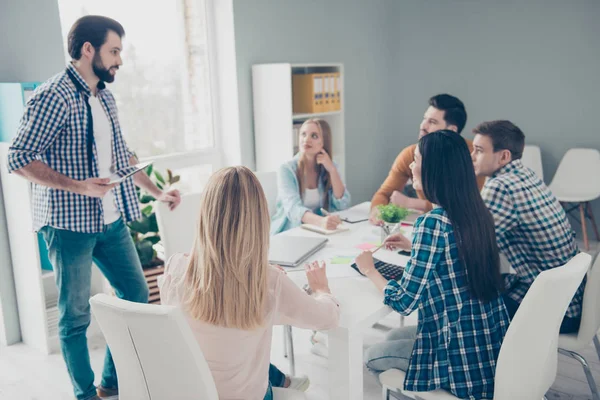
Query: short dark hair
pixel 93 29
pixel 505 136
pixel 454 110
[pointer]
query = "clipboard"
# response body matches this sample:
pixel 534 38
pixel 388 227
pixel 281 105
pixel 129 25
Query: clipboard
pixel 126 172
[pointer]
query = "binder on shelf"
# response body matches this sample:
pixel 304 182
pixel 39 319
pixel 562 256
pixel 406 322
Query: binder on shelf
pixel 307 93
pixel 318 93
pixel 327 93
pixel 333 92
pixel 337 97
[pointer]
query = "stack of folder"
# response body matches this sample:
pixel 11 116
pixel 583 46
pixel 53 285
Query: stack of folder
pixel 316 93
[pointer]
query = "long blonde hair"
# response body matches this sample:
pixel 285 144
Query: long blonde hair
pixel 226 278
pixel 325 131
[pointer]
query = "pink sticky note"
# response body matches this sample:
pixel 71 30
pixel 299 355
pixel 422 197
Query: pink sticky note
pixel 365 246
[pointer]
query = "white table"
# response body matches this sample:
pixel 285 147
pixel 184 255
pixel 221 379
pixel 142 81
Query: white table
pixel 360 302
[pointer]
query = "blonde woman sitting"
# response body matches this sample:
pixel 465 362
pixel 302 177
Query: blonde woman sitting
pixel 310 183
pixel 232 297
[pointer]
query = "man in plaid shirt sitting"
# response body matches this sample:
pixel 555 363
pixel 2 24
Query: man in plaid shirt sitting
pixel 532 228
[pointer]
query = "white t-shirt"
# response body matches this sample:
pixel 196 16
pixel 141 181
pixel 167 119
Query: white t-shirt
pixel 103 138
pixel 312 199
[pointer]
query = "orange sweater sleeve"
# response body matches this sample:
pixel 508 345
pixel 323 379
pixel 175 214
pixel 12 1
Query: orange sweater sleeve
pixel 397 177
pixel 401 173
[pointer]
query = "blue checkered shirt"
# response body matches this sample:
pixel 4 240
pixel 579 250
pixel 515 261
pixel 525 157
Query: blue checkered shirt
pixel 458 336
pixel 532 229
pixel 54 130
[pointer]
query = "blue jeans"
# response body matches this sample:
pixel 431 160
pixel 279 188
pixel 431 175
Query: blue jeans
pixel 71 254
pixel 394 353
pixel 276 379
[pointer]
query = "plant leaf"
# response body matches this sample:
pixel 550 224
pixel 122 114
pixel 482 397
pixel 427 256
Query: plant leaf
pixel 146 198
pixel 147 211
pixel 159 177
pixel 153 239
pixel 145 251
pixel 153 223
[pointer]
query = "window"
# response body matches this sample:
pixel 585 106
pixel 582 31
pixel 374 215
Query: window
pixel 164 88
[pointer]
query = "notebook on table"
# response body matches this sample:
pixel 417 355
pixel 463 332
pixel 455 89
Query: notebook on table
pixel 320 229
pixel 292 251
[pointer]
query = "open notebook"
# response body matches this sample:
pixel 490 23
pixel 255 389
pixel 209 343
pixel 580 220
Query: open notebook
pixel 318 229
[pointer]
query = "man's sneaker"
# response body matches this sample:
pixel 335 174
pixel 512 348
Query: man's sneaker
pixel 300 383
pixel 107 393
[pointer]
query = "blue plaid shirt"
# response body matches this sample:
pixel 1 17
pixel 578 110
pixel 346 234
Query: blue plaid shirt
pixel 56 129
pixel 532 229
pixel 458 336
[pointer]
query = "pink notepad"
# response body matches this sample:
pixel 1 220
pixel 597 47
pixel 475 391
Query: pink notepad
pixel 366 246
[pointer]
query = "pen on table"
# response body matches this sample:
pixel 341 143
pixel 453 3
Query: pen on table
pixel 324 212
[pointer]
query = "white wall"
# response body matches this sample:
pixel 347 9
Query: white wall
pixel 31 49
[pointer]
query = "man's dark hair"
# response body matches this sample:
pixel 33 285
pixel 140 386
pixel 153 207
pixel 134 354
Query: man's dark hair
pixel 93 29
pixel 454 110
pixel 505 136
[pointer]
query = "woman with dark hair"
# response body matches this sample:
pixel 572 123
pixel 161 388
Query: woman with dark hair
pixel 453 279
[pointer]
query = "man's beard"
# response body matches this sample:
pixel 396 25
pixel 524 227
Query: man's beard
pixel 102 73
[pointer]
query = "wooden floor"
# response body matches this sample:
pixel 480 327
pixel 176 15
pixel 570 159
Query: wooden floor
pixel 25 374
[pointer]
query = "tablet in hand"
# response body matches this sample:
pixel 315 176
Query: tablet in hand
pixel 126 172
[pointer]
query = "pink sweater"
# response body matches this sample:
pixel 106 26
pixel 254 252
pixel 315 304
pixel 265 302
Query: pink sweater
pixel 238 359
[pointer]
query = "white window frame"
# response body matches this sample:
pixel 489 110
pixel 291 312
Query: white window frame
pixel 224 96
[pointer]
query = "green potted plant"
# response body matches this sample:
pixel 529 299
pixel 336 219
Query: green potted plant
pixel 391 215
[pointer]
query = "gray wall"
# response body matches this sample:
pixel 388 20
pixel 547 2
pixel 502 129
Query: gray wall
pixel 31 48
pixel 353 32
pixel 535 63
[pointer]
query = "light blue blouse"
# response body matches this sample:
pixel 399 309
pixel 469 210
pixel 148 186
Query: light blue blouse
pixel 290 207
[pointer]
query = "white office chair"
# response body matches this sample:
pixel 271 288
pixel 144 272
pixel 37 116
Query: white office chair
pixel 526 366
pixel 156 354
pixel 532 159
pixel 178 227
pixel 577 180
pixel 569 344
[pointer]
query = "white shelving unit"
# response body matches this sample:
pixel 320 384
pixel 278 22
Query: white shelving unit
pixel 37 295
pixel 274 117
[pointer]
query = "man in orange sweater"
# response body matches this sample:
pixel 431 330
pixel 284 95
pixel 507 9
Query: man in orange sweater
pixel 444 112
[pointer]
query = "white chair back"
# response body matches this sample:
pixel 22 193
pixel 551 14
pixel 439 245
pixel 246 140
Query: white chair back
pixel 532 158
pixel 155 352
pixel 178 227
pixel 576 179
pixel 527 361
pixel 268 181
pixel 590 312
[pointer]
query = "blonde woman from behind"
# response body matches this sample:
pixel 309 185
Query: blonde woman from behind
pixel 230 294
